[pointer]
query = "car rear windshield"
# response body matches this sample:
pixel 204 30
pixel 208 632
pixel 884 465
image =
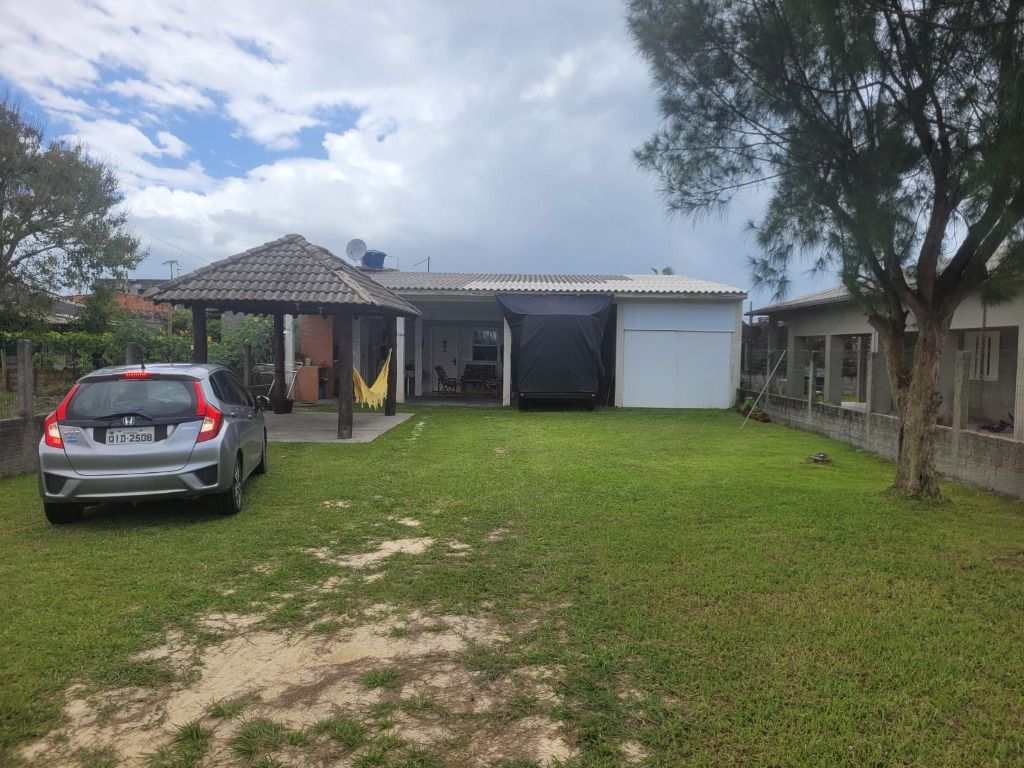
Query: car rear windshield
pixel 154 398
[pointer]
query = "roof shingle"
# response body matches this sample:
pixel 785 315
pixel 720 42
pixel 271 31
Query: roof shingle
pixel 289 273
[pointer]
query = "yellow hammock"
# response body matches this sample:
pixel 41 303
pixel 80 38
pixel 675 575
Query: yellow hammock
pixel 372 396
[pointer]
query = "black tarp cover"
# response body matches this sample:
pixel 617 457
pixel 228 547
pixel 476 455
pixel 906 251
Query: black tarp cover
pixel 556 342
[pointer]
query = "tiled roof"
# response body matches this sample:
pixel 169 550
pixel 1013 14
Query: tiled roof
pixel 828 296
pixel 474 282
pixel 287 273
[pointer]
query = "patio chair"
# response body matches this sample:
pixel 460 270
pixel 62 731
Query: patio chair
pixel 445 383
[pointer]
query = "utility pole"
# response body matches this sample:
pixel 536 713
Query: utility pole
pixel 171 264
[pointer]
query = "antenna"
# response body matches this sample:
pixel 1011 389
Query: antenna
pixel 427 260
pixel 355 250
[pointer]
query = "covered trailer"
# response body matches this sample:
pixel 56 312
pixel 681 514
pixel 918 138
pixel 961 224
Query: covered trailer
pixel 557 344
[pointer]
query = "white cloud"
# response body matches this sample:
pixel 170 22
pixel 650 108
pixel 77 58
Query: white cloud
pixel 490 137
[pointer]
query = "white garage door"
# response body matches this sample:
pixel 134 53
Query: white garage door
pixel 677 356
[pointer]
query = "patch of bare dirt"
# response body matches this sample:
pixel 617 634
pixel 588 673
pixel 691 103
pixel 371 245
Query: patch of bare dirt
pixel 367 559
pixel 336 503
pixel 498 534
pixel 298 677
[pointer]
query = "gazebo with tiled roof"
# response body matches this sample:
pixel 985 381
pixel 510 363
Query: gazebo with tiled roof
pixel 289 276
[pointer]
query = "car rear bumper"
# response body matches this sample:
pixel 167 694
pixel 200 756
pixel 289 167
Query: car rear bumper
pixel 60 483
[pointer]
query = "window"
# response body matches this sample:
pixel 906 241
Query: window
pixel 485 345
pixel 984 349
pixel 154 398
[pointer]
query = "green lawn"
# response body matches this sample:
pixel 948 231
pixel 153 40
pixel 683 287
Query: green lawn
pixel 702 591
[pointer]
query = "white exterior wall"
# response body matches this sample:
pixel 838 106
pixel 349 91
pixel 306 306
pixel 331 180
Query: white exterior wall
pixel 678 353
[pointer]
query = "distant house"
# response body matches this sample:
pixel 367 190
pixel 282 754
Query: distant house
pixel 134 305
pixel 833 326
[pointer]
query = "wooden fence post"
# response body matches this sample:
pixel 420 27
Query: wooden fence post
pixel 26 380
pixel 247 365
pixel 131 353
pixel 5 370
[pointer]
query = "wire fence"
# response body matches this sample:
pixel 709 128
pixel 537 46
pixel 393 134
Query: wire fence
pixel 843 376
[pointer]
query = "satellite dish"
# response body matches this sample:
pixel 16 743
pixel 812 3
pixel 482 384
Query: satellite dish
pixel 356 249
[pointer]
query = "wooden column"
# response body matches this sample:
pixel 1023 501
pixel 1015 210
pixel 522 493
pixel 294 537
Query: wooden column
pixel 392 398
pixel 343 371
pixel 277 395
pixel 247 365
pixel 199 352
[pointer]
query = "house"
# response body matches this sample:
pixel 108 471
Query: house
pixel 834 327
pixel 669 341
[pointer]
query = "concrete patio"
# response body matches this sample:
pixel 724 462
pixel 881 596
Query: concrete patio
pixel 314 427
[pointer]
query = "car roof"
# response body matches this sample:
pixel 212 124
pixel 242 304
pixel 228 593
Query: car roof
pixel 198 370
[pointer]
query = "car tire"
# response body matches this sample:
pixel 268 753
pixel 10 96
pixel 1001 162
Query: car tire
pixel 62 514
pixel 230 501
pixel 261 468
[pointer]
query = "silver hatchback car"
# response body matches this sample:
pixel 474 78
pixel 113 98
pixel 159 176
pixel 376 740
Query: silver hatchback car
pixel 129 433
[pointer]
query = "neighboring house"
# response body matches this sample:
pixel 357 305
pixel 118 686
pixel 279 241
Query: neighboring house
pixel 670 341
pixel 832 325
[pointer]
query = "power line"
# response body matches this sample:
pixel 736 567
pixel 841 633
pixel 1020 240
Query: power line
pixel 178 247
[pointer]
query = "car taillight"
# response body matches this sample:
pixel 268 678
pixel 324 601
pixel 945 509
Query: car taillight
pixel 51 427
pixel 212 418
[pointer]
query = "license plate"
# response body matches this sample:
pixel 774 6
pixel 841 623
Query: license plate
pixel 129 435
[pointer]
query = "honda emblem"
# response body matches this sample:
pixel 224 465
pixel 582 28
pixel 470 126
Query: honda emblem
pixel 128 420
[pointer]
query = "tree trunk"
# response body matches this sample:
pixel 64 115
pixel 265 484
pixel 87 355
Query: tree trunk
pixel 915 386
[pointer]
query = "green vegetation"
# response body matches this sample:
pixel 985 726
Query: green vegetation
pixel 701 591
pixel 383 677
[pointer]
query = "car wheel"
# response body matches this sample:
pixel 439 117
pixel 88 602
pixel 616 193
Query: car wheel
pixel 61 514
pixel 230 501
pixel 261 468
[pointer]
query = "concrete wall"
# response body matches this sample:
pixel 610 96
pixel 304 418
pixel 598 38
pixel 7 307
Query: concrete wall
pixel 18 441
pixel 988 461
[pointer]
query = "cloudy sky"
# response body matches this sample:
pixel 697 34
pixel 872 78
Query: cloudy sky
pixel 487 136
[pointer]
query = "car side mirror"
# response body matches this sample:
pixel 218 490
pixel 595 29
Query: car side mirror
pixel 262 402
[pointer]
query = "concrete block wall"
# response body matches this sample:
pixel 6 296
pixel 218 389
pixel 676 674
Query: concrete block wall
pixel 993 462
pixel 18 440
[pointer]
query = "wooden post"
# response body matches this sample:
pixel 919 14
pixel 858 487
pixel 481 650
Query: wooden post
pixel 277 396
pixel 247 365
pixel 26 380
pixel 392 398
pixel 5 369
pixel 961 369
pixel 131 353
pixel 343 371
pixel 199 349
